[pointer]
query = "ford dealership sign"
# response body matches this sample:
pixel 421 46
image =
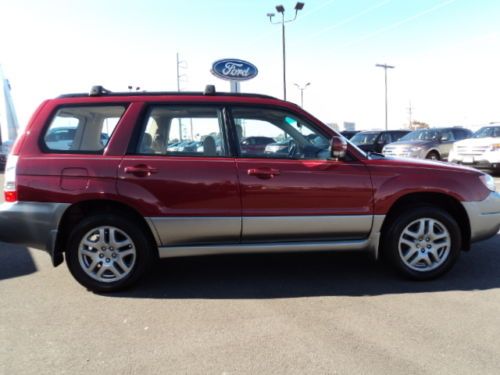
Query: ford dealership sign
pixel 234 70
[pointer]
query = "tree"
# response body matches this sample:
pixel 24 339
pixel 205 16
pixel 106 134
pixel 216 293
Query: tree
pixel 418 125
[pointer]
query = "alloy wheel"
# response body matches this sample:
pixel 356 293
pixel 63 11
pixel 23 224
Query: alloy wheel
pixel 424 244
pixel 107 254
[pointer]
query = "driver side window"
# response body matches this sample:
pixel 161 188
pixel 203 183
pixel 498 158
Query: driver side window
pixel 266 133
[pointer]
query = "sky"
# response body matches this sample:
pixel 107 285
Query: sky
pixel 446 53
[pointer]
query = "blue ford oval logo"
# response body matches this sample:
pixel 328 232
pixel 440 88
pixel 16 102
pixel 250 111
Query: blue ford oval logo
pixel 234 69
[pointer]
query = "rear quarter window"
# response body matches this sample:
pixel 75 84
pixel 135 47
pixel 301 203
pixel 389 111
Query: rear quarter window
pixel 81 129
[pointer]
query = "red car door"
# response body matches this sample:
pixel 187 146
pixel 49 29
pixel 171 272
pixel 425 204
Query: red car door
pixel 298 193
pixel 188 195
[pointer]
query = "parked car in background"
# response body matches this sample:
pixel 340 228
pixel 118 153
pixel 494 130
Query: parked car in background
pixel 62 138
pixel 4 152
pixel 111 210
pixel 481 151
pixel 375 140
pixel 348 134
pixel 434 143
pixel 255 145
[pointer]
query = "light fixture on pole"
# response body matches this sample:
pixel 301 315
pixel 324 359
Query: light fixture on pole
pixel 302 88
pixel 281 9
pixel 385 66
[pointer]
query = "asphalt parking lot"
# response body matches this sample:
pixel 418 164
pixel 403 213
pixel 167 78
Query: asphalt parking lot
pixel 283 314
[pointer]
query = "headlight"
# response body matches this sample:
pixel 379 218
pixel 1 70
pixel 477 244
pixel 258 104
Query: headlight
pixel 495 147
pixel 415 148
pixel 488 181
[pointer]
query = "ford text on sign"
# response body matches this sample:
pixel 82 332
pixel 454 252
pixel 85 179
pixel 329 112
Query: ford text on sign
pixel 234 69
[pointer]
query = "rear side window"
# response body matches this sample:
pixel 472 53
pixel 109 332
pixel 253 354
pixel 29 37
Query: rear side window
pixel 82 129
pixel 461 134
pixel 183 131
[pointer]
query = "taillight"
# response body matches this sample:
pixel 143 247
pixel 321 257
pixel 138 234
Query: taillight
pixel 9 187
pixel 10 196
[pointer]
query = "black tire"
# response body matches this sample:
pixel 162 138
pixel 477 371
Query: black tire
pixel 412 218
pixel 433 155
pixel 140 260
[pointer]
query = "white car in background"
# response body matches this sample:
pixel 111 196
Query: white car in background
pixel 481 151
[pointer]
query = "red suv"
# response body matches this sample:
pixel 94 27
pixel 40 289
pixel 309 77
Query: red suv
pixel 100 180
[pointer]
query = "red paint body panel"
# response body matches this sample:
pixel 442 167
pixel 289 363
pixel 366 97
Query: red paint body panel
pixel 193 186
pixel 45 178
pixel 182 186
pixel 393 179
pixel 314 187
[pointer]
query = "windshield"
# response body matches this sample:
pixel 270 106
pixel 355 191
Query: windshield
pixel 364 138
pixel 488 131
pixel 421 135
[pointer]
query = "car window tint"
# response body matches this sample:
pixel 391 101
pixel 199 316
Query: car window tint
pixel 183 131
pixel 267 133
pixel 82 128
pixel 460 134
pixel 384 138
pixel 447 136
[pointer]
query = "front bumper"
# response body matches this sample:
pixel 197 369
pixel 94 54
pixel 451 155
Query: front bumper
pixel 486 160
pixel 484 217
pixel 33 224
pixel 479 164
pixel 405 153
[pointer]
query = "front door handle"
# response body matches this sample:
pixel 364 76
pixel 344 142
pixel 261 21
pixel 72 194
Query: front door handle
pixel 141 170
pixel 263 173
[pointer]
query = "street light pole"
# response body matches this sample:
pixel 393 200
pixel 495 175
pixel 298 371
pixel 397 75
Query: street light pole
pixel 302 92
pixel 281 9
pixel 385 66
pixel 284 53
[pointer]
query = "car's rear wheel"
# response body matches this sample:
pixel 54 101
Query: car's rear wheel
pixel 108 252
pixel 422 242
pixel 433 155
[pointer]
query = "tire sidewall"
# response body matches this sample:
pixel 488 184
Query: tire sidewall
pixel 400 222
pixel 433 153
pixel 142 245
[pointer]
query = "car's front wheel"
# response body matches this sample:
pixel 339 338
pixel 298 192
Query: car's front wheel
pixel 108 252
pixel 433 155
pixel 423 242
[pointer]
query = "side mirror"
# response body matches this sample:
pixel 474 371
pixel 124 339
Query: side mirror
pixel 338 147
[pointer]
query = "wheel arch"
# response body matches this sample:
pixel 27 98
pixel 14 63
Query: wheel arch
pixel 435 151
pixel 446 202
pixel 82 209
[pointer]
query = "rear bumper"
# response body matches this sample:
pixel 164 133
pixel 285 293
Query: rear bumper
pixel 33 224
pixel 484 217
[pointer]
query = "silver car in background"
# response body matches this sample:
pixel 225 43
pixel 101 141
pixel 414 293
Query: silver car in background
pixel 434 143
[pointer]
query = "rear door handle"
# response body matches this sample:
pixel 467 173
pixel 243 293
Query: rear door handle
pixel 141 170
pixel 263 173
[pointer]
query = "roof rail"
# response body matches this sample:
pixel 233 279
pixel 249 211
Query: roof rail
pixel 98 90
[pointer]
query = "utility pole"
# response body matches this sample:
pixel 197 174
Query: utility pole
pixel 181 64
pixel 385 66
pixel 410 112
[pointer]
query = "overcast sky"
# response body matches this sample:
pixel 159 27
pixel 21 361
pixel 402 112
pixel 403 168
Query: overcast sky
pixel 446 53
